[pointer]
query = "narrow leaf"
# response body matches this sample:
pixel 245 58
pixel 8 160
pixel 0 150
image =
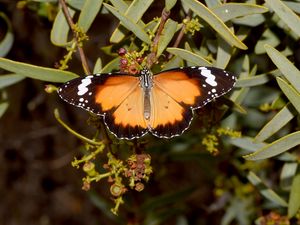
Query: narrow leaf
pixel 277 147
pixel 166 36
pixel 247 143
pixel 215 22
pixel 98 66
pixel 276 123
pixel 290 93
pixel 189 56
pixel 7 80
pixel 88 13
pixel 120 5
pixel 129 24
pixel 170 4
pixel 287 174
pixel 3 108
pixel 266 191
pixel 112 65
pixel 224 53
pixel 286 14
pixel 230 11
pixel 77 4
pixel 294 201
pixel 36 72
pixel 7 41
pixel 134 12
pixel 287 68
pixel 268 37
pixel 60 29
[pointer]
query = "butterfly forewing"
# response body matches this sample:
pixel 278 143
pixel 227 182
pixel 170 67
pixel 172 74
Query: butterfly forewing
pixel 195 86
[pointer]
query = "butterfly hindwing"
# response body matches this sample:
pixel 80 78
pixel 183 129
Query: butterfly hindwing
pixel 168 117
pixel 127 120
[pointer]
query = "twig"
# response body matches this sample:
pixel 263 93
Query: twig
pixel 151 58
pixel 181 33
pixel 72 26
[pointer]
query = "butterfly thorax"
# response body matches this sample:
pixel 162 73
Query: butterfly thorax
pixel 146 84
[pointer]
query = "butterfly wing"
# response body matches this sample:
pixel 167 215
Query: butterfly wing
pixel 118 98
pixel 177 92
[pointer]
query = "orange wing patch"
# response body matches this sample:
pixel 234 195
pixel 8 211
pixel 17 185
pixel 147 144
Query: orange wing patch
pixel 178 86
pixel 127 120
pixel 168 117
pixel 114 91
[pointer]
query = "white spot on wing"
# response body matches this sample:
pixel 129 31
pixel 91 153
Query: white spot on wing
pixel 210 78
pixel 82 88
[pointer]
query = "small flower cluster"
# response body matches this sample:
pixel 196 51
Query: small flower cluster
pixel 211 141
pixel 138 169
pixel 131 62
pixel 273 219
pixel 191 25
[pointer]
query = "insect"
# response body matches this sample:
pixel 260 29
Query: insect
pixel 161 104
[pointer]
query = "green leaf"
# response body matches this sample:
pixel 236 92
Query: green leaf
pixel 288 171
pixel 252 81
pixel 230 11
pixel 112 65
pixel 88 13
pixel 134 13
pixel 294 200
pixel 7 80
pixel 120 5
pixel 215 22
pixel 174 62
pixel 98 66
pixel 287 68
pixel 170 4
pixel 250 21
pixel 295 6
pixel 277 147
pixel 7 41
pixel 77 4
pixel 3 108
pixel 36 72
pixel 285 115
pixel 60 29
pixel 285 14
pixel 290 93
pixel 256 80
pixel 247 143
pixel 223 54
pixel 129 24
pixel 266 191
pixel 189 56
pixel 166 36
pixel 268 37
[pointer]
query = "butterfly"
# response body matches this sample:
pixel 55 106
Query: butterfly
pixel 162 104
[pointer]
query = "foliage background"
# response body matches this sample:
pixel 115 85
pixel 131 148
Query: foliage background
pixel 189 184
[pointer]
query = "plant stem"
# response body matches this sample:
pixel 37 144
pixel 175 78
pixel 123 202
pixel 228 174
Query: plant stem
pixel 151 58
pixel 72 26
pixel 181 33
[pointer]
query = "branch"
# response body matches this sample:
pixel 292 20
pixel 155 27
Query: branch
pixel 72 26
pixel 151 58
pixel 181 33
